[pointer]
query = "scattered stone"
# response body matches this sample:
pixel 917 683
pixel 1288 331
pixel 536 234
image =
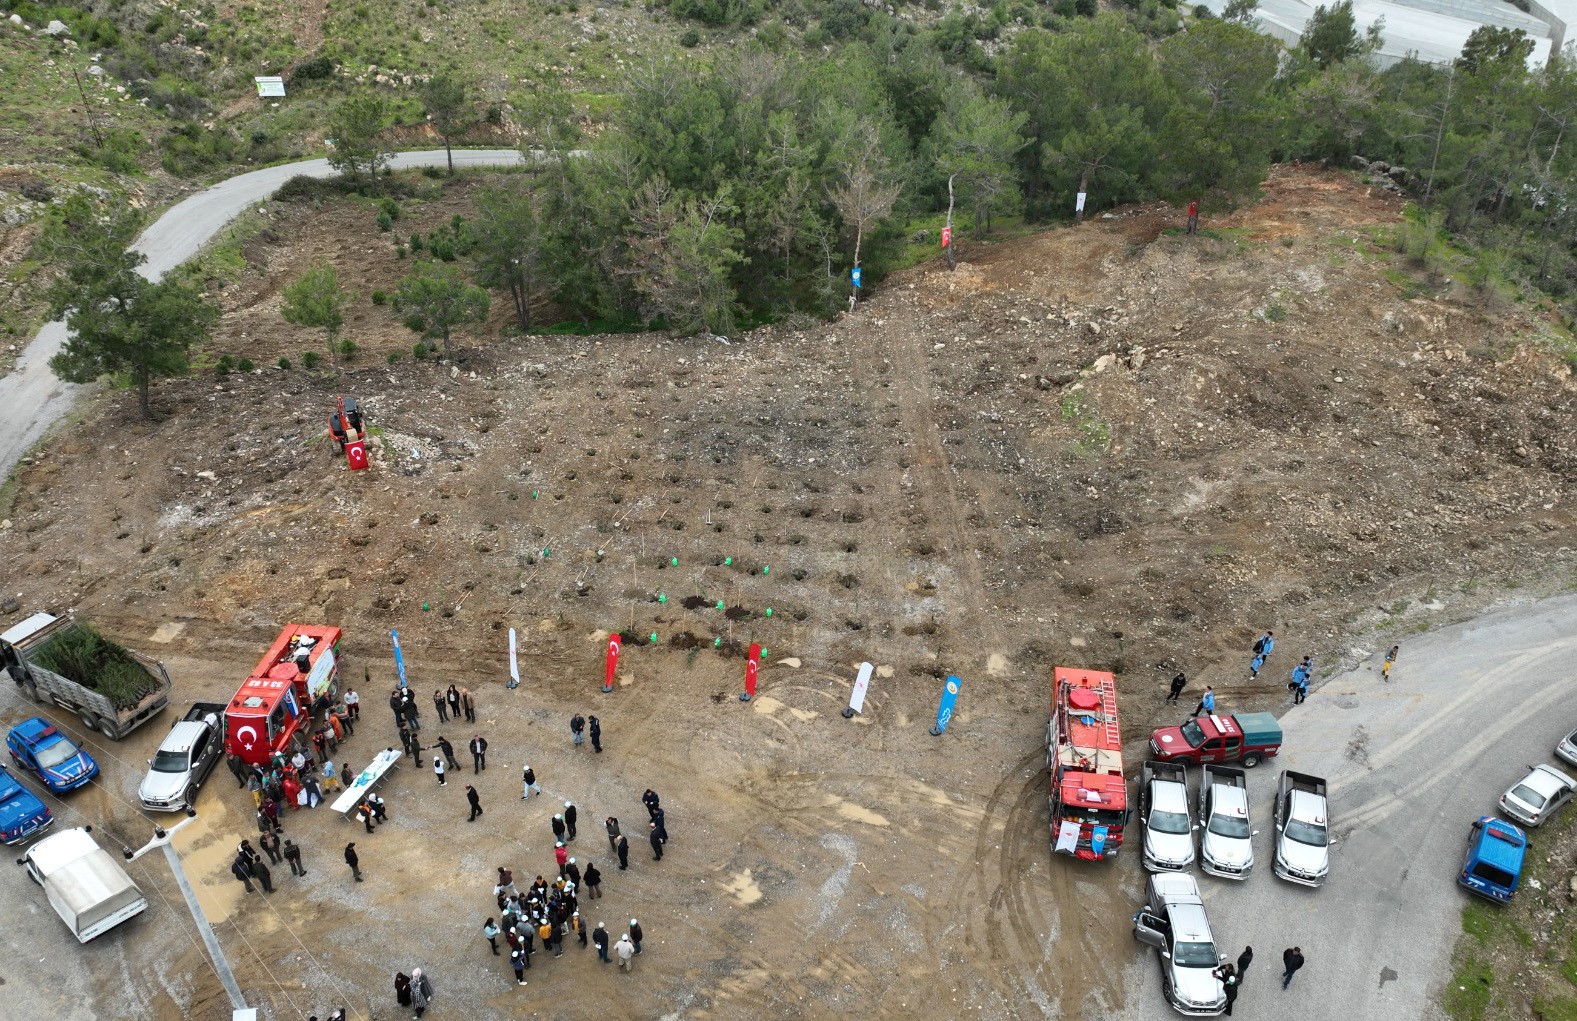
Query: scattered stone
pixel 56 29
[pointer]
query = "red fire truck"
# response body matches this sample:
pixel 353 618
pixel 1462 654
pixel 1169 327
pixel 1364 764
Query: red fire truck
pixel 301 667
pixel 1084 755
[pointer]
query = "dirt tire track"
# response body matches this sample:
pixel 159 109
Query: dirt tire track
pixel 935 485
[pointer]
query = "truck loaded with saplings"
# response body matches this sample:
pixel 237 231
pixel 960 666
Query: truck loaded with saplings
pixel 66 662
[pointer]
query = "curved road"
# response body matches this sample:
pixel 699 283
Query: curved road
pixel 1410 765
pixel 32 399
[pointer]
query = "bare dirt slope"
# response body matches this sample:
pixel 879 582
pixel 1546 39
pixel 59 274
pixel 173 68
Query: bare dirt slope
pixel 1111 445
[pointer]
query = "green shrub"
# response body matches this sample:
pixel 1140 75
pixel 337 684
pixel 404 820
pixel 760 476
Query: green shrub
pixel 434 173
pixel 83 655
pixel 284 363
pixel 245 365
pixel 379 298
pixel 190 149
pixel 394 357
pixel 399 252
pixel 418 350
pixel 416 242
pixel 690 39
pixel 313 188
pixel 313 70
pixel 385 222
pixel 310 359
pixel 224 366
pixel 389 206
pixel 118 150
pixel 348 348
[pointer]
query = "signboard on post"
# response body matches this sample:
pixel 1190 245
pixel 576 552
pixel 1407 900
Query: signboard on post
pixel 399 657
pixel 270 87
pixel 322 673
pixel 857 697
pixel 944 711
pixel 854 275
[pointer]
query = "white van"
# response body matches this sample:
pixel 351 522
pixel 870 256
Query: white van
pixel 86 885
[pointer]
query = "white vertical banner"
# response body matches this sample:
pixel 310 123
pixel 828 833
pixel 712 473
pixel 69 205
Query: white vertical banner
pixel 514 663
pixel 861 683
pixel 1078 204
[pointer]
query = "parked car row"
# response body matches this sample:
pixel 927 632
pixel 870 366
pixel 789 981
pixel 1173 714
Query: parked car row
pixel 1226 846
pixel 1496 849
pixel 1173 919
pixel 185 758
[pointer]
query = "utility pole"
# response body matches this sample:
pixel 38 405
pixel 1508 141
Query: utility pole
pixel 162 839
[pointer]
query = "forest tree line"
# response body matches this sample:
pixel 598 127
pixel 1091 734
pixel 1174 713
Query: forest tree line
pixel 745 188
pixel 748 187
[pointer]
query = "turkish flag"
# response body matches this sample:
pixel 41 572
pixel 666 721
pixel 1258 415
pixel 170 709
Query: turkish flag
pixel 752 667
pixel 356 455
pixel 947 236
pixel 613 662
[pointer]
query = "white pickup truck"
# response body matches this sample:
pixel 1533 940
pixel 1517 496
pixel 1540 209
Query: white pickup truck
pixel 86 886
pixel 1227 848
pixel 1163 809
pixel 1303 829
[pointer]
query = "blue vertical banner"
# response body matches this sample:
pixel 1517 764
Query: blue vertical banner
pixel 399 658
pixel 944 711
pixel 854 275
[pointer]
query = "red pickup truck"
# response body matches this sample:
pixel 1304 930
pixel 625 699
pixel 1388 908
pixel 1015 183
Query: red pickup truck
pixel 1248 738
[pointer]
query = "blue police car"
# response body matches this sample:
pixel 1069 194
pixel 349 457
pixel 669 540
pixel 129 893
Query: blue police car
pixel 22 815
pixel 50 755
pixel 1495 852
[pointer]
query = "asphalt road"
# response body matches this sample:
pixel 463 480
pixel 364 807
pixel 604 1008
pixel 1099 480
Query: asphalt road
pixel 1410 764
pixel 32 399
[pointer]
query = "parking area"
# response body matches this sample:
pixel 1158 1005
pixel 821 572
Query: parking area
pixel 1410 764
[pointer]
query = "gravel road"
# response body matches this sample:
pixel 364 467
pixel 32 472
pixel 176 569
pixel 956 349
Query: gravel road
pixel 1410 765
pixel 32 399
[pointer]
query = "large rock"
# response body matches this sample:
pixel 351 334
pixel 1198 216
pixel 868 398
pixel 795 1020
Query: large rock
pixel 57 29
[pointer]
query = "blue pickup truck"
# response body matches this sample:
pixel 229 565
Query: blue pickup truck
pixel 1495 852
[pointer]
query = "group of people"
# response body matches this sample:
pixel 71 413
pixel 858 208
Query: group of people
pixel 1231 975
pixel 304 773
pixel 1298 685
pixel 454 702
pixel 550 911
pixel 457 701
pixel 414 990
pixel 249 865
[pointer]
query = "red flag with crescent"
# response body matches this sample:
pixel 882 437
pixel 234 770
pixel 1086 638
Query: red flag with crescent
pixel 356 455
pixel 613 662
pixel 947 236
pixel 752 667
